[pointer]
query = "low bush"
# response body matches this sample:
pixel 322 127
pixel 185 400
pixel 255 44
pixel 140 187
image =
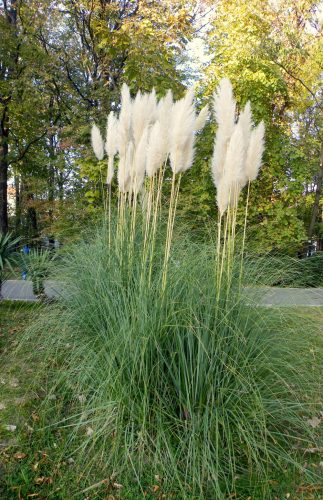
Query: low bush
pixel 284 271
pixel 8 255
pixel 38 264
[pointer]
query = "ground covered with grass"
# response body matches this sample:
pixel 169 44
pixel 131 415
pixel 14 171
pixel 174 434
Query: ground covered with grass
pixel 35 459
pixel 38 459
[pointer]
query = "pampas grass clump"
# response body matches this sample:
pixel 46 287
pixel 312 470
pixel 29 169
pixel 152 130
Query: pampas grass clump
pixel 211 396
pixel 182 377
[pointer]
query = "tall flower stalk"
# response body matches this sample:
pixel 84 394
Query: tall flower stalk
pixel 149 136
pixel 237 156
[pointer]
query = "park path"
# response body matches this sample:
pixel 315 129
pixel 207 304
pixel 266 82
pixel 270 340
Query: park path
pixel 23 290
pixel 285 297
pixel 263 296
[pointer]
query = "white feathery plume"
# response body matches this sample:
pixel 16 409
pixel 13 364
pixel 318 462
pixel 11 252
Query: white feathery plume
pixel 225 106
pixel 181 158
pixel 223 194
pixel 125 98
pixel 144 113
pixel 111 144
pixel 129 166
pixel 158 145
pixel 140 162
pixel 160 108
pixel 156 149
pixel 224 110
pixel 245 120
pixel 218 158
pixel 255 151
pixel 111 137
pixel 97 142
pixel 246 123
pixel 110 171
pixel 152 106
pixel 180 131
pixel 237 148
pixel 169 96
pixel 164 107
pixel 230 183
pixel 122 173
pixel 139 116
pixel 234 161
pixel 125 163
pixel 188 154
pixel 164 113
pixel 124 126
pixel 125 93
pixel 201 118
pixel 152 97
pixel 189 96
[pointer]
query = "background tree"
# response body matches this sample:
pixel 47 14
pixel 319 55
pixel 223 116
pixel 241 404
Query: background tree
pixel 25 98
pixel 62 64
pixel 270 51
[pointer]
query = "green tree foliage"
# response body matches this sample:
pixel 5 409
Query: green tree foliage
pixel 62 65
pixel 139 43
pixel 75 58
pixel 270 51
pixel 29 105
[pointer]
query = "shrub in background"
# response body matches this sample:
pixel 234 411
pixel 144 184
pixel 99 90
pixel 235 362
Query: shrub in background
pixel 38 264
pixel 8 256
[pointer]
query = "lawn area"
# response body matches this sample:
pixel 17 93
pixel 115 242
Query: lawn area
pixel 30 460
pixel 17 396
pixel 35 462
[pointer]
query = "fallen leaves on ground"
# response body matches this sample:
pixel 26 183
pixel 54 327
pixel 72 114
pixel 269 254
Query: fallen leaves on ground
pixel 10 427
pixel 317 449
pixel 117 486
pixel 44 480
pixel 35 417
pixel 14 382
pixel 311 488
pixel 314 422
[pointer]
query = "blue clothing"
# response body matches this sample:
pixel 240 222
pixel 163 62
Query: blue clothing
pixel 26 249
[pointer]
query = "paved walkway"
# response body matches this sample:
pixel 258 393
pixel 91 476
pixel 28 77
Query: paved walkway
pixel 284 297
pixel 265 296
pixel 23 290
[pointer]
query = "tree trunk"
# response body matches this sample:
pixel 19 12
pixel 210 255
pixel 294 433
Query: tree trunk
pixel 60 186
pixel 3 177
pixel 18 195
pixel 10 11
pixel 51 177
pixel 32 225
pixel 316 205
